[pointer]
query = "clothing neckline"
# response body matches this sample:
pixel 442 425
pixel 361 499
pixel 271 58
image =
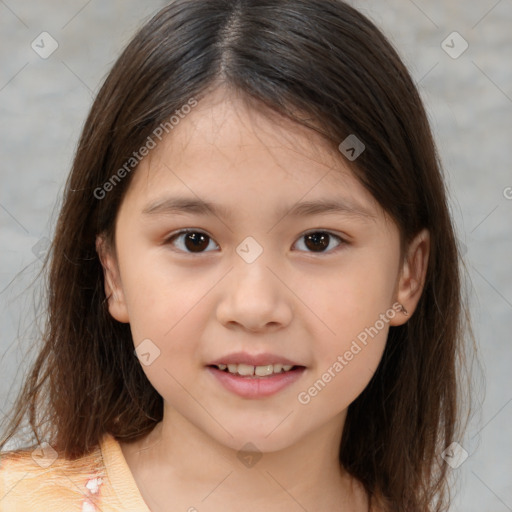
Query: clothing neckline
pixel 120 476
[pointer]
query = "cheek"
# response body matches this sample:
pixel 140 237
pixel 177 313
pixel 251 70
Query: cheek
pixel 166 313
pixel 353 298
pixel 343 369
pixel 170 313
pixel 349 311
pixel 158 294
pixel 355 309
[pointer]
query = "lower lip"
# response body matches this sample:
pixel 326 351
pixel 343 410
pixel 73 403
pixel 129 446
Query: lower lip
pixel 256 387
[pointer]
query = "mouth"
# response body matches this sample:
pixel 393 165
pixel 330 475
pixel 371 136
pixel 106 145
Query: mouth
pixel 255 376
pixel 248 370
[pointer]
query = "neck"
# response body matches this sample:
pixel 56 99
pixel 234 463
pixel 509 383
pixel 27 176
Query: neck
pixel 178 463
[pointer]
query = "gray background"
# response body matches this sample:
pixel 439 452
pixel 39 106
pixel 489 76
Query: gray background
pixel 43 104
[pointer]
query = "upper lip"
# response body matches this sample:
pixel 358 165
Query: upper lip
pixel 253 359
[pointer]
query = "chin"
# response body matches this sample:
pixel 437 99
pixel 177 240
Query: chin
pixel 265 438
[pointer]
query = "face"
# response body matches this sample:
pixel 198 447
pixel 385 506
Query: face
pixel 265 276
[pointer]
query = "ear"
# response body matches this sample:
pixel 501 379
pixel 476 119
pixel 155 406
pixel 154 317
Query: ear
pixel 113 289
pixel 412 276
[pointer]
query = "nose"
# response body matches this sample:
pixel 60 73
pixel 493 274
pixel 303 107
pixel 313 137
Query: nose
pixel 255 298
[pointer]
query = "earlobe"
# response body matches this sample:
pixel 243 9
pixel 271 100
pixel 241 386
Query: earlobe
pixel 412 277
pixel 112 281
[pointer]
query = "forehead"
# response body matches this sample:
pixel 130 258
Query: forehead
pixel 223 147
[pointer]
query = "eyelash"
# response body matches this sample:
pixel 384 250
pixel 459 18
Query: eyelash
pixel 341 240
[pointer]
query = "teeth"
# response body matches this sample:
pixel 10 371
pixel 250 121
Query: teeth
pixel 260 371
pixel 263 371
pixel 277 368
pixel 245 369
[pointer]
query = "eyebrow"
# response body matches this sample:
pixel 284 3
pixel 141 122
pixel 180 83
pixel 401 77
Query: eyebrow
pixel 191 205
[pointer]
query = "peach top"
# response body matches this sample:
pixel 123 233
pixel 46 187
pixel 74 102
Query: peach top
pixel 39 480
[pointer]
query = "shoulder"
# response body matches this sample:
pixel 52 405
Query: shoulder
pixel 39 479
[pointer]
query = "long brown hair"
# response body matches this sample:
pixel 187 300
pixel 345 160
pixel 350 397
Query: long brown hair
pixel 324 65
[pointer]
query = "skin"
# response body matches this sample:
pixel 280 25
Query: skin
pixel 292 301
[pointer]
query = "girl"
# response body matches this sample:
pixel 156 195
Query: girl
pixel 254 294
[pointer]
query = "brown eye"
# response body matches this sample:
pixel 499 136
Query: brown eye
pixel 319 241
pixel 191 241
